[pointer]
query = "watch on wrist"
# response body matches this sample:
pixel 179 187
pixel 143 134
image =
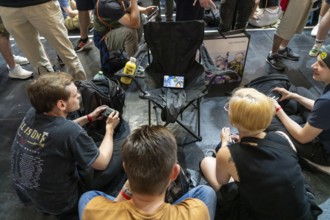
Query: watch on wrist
pixel 127 192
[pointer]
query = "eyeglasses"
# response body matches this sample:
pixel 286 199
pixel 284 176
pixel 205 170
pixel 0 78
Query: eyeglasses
pixel 226 107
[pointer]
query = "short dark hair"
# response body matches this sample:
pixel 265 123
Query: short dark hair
pixel 48 89
pixel 149 155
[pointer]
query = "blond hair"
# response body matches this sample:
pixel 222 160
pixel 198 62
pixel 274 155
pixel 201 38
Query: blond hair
pixel 250 110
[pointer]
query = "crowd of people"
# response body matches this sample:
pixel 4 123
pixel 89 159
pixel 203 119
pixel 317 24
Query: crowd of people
pixel 59 169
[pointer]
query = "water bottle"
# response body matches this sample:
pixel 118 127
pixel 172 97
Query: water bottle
pixel 129 69
pixel 99 75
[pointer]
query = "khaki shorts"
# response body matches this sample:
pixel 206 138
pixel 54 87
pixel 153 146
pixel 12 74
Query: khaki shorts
pixel 3 31
pixel 294 19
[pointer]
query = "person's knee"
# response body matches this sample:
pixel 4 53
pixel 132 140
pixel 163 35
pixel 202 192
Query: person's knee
pixel 131 35
pixel 204 164
pixel 207 190
pixel 207 193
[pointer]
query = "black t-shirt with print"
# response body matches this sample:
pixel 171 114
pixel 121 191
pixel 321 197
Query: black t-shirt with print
pixel 45 155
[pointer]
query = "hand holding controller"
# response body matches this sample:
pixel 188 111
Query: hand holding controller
pixel 107 111
pixel 275 95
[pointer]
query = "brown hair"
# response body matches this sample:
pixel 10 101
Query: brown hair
pixel 48 89
pixel 149 155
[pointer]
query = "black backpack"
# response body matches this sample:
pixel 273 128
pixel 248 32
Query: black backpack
pixel 97 92
pixel 265 85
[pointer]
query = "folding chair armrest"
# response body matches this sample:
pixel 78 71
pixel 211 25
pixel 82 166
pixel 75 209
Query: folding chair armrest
pixel 121 74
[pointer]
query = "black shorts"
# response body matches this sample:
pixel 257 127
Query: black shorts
pixel 85 5
pixel 270 3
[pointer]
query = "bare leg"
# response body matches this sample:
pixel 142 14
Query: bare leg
pixel 324 8
pixel 5 50
pixel 276 44
pixel 284 43
pixel 324 26
pixel 208 168
pixel 84 21
pixel 254 10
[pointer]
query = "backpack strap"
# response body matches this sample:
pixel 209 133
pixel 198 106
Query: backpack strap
pixel 100 18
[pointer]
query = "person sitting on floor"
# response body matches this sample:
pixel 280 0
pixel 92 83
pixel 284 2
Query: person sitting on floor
pixel 13 62
pixel 150 161
pixel 263 165
pixel 312 140
pixel 70 14
pixel 50 152
pixel 117 28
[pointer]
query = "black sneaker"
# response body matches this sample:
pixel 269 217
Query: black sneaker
pixel 82 44
pixel 287 53
pixel 222 29
pixel 275 62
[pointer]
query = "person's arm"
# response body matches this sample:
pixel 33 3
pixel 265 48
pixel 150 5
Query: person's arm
pixel 301 134
pixel 225 136
pixel 205 3
pixel 223 159
pixel 147 10
pixel 306 102
pixel 93 116
pixel 131 19
pixel 70 12
pixel 125 193
pixel 106 147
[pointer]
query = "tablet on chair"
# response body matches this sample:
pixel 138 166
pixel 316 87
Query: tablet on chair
pixel 173 82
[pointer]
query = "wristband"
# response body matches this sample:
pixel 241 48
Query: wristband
pixel 89 118
pixel 124 195
pixel 278 108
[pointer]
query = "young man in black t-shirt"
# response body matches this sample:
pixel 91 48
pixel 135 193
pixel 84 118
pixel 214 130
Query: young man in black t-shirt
pixel 48 149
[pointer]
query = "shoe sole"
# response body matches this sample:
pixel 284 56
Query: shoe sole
pixel 22 63
pixel 84 47
pixel 277 68
pixel 17 77
pixel 313 54
pixel 288 58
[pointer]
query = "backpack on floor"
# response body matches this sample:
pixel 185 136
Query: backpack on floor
pixel 265 85
pixel 97 92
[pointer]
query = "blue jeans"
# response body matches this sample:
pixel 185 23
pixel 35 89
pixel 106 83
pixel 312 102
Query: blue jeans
pixel 202 192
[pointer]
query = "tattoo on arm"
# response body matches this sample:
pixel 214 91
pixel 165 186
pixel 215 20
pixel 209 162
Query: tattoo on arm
pixel 230 160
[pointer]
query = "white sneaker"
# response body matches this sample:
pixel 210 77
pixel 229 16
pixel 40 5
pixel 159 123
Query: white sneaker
pixel 19 73
pixel 314 51
pixel 21 60
pixel 265 18
pixel 314 31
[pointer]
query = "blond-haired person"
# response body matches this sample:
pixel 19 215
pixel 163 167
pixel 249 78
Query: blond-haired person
pixel 264 166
